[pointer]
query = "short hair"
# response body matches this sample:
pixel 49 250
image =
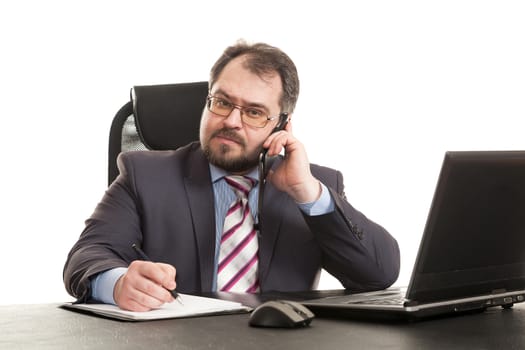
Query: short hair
pixel 262 59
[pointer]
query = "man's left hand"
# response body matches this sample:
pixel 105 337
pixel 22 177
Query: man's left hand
pixel 293 175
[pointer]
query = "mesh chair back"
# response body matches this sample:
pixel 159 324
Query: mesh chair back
pixel 158 117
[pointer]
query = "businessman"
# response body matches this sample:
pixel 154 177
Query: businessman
pixel 194 211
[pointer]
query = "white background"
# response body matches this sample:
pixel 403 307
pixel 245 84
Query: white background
pixel 387 88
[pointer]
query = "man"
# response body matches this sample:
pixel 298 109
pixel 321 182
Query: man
pixel 176 205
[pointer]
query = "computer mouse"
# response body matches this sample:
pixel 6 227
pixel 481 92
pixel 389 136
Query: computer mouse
pixel 281 313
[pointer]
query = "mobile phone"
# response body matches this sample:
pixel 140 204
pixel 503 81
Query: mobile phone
pixel 263 164
pixel 283 120
pixel 263 168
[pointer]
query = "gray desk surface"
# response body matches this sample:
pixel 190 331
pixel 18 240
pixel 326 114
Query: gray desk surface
pixel 50 327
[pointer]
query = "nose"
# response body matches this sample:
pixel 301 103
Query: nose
pixel 234 119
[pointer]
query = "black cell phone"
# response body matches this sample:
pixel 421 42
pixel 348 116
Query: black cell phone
pixel 263 164
pixel 263 168
pixel 283 120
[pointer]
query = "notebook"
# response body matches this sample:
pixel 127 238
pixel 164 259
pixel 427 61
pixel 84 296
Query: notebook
pixel 189 306
pixel 472 252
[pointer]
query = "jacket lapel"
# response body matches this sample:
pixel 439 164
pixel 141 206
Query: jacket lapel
pixel 270 226
pixel 199 192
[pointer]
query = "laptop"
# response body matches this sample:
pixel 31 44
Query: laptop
pixel 472 252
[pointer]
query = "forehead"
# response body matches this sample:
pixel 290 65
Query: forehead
pixel 245 87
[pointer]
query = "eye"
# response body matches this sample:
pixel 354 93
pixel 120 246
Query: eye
pixel 221 103
pixel 254 113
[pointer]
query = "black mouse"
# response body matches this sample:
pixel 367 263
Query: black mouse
pixel 281 313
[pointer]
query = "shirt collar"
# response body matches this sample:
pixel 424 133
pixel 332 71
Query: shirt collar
pixel 218 173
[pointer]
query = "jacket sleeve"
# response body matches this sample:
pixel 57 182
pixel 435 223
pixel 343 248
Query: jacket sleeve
pixel 106 240
pixel 361 254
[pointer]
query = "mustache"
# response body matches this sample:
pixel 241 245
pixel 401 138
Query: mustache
pixel 230 134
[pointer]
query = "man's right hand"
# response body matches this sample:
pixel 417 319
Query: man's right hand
pixel 145 286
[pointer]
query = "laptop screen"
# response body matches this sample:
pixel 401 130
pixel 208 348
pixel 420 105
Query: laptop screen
pixel 474 239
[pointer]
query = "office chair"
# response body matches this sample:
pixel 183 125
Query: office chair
pixel 157 117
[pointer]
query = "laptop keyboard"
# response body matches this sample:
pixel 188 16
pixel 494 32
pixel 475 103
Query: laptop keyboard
pixel 391 297
pixel 397 300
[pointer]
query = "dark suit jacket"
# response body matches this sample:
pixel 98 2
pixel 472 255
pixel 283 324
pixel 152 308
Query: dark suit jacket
pixel 163 200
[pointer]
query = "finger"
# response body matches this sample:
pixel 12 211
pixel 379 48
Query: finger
pixel 148 277
pixel 132 305
pixel 269 140
pixel 134 292
pixel 124 301
pixel 276 142
pixel 169 278
pixel 142 301
pixel 156 272
pixel 154 290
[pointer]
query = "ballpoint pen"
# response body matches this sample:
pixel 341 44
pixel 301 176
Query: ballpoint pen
pixel 144 257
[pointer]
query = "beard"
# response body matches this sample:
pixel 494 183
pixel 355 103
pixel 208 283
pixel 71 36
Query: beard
pixel 221 157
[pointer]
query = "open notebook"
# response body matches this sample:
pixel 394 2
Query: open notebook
pixel 472 254
pixel 191 306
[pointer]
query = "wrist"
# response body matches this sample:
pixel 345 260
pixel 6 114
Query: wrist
pixel 103 285
pixel 307 193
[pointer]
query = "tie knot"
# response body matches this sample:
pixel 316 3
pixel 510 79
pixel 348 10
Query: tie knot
pixel 240 184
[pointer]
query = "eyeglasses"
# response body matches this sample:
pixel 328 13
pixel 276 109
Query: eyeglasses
pixel 253 116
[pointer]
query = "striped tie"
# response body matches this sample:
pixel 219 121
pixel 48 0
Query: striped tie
pixel 238 260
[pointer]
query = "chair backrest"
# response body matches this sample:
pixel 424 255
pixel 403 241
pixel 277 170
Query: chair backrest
pixel 157 117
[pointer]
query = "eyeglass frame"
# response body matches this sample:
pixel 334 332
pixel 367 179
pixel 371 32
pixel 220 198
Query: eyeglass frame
pixel 241 110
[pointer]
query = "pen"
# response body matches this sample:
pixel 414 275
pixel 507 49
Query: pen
pixel 144 257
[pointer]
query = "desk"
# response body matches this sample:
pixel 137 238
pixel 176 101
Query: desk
pixel 50 327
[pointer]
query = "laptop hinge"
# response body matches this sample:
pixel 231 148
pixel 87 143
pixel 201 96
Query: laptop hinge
pixel 499 291
pixel 410 303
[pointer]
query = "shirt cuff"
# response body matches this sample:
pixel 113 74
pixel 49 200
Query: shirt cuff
pixel 324 205
pixel 104 283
